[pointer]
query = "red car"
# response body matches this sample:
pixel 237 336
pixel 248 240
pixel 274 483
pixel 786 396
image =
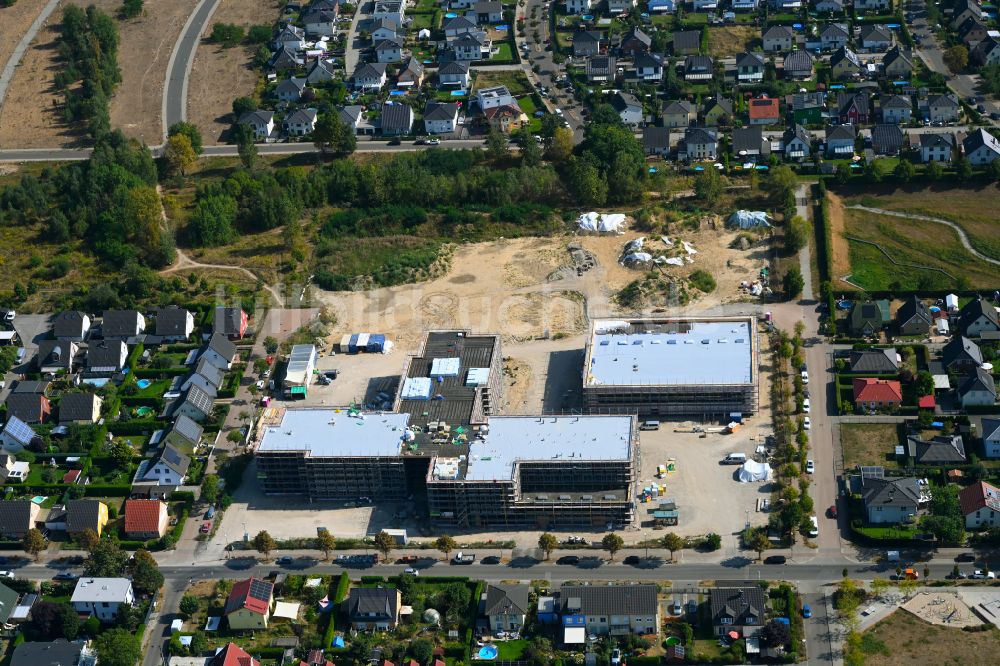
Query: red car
pixel 206 527
pixel 833 511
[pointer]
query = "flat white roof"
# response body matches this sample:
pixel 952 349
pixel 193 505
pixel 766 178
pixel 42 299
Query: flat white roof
pixel 515 438
pixel 90 590
pixel 333 432
pixel 680 353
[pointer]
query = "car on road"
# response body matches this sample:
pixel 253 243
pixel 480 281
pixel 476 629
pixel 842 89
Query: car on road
pixel 568 559
pixel 65 575
pixel 806 406
pixel 807 611
pixel 490 559
pixel 205 528
pixel 411 571
pixel 957 576
pixel 616 657
pixel 810 467
pixel 806 423
pixel 6 574
pixel 965 557
pixel 631 560
pixel 285 559
pixel 260 385
pixel 805 376
pixel 832 511
pixel 775 559
pixel 978 574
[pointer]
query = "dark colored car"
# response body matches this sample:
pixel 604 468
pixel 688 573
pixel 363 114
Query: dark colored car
pixel 631 559
pixel 965 557
pixel 775 559
pixel 490 559
pixel 832 511
pixel 568 559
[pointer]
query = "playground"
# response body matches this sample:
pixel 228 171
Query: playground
pixel 942 608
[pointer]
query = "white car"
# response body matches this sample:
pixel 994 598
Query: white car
pixel 805 376
pixel 6 574
pixel 979 574
pixel 805 406
pixel 616 656
pixel 806 423
pixel 810 467
pixel 411 571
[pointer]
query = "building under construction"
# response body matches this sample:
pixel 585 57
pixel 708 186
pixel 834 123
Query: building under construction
pixel 702 368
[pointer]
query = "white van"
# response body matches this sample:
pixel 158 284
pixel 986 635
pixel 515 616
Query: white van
pixel 735 459
pixel 814 532
pixel 649 425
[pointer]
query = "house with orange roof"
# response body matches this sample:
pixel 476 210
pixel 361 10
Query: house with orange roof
pixel 871 393
pixel 980 504
pixel 232 655
pixel 764 111
pixel 145 518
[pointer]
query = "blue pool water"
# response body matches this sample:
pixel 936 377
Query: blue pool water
pixel 143 383
pixel 488 652
pixel 451 15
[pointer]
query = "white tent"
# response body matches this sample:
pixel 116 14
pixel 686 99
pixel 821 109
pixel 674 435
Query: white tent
pixel 286 609
pixel 748 219
pixel 424 34
pixel 610 223
pixel 754 471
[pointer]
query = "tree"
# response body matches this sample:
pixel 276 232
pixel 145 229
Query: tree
pixel 333 134
pixel 325 542
pixel 189 605
pixel 612 543
pixel 963 167
pixel 797 231
pixel 264 543
pixel 879 586
pixel 130 9
pixel 756 540
pixel 34 543
pixel 445 544
pixel 843 174
pixel 270 344
pixel 496 145
pixel 146 576
pixel 713 541
pixel 88 540
pixel 50 620
pixel 792 283
pixel 210 488
pixel 227 34
pixel 585 183
pixel 547 543
pixel 190 130
pixel 421 649
pixel 904 171
pixel 560 148
pixel 179 155
pixel 673 542
pixel 242 105
pixel 933 170
pixel 117 647
pixel 246 144
pixel 384 543
pixel 531 152
pixel 780 184
pixel 776 634
pixel 956 58
pixel 259 34
pixel 924 383
pixel 708 185
pixel 107 560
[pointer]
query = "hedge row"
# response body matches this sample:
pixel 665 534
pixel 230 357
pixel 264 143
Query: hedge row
pixel 150 373
pixel 343 583
pixel 135 427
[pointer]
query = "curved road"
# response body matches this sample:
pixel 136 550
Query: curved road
pixel 175 88
pixel 7 75
pixel 925 218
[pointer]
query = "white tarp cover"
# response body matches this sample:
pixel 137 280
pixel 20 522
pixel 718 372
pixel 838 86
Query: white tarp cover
pixel 635 245
pixel 754 471
pixel 609 223
pixel 666 241
pixel 672 261
pixel 689 248
pixel 286 609
pixel 748 219
pixel 637 258
pixel 607 325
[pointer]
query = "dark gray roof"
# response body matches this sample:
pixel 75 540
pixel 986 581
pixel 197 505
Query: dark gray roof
pixel 942 100
pixel 104 355
pixel 366 70
pixel 15 517
pixel 938 450
pixel 725 104
pixel 778 32
pixel 699 135
pixel 174 459
pixel 844 53
pixel 54 353
pixel 978 380
pixel 847 100
pixel 372 603
pixel 894 54
pixel 350 114
pixel 749 59
pixel 638 34
pixel 457 23
pixel 687 40
pixel 59 652
pixel 747 138
pixel 68 324
pixel 876 361
pixel 697 62
pixel 199 399
pixel 897 102
pixel 647 61
pixel 440 111
pixel 171 321
pixel 834 30
pixel 213 373
pixel 390 44
pixel 25 406
pixel 798 60
pixel 623 100
pixel 301 117
pixel 657 138
pixel 600 65
pixel 396 118
pixel 799 132
pixel 588 37
pixel 744 605
pixel 876 32
pixel 977 308
pixel 8 602
pixel 187 428
pixel 222 346
pixel 453 67
pixel 319 16
pixel 76 407
pixel 991 428
pixel 120 323
pixel 608 599
pixel 913 308
pixel 961 350
pixel 506 600
pixel 842 132
pixel 936 141
pixel 899 492
pixel 82 514
pixel 681 106
pixel 414 65
pixel 977 139
pixel 227 320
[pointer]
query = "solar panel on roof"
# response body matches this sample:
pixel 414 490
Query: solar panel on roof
pixel 260 590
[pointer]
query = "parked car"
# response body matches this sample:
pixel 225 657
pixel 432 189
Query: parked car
pixel 807 611
pixel 775 559
pixel 810 467
pixel 206 527
pixel 490 559
pixel 65 575
pixel 978 574
pixel 805 406
pixel 805 376
pixel 832 511
pixel 806 423
pixel 285 559
pixel 616 656
pixel 631 560
pixel 965 557
pixel 6 574
pixel 411 571
pixel 568 559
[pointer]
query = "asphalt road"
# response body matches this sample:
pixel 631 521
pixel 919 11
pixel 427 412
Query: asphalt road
pixel 175 88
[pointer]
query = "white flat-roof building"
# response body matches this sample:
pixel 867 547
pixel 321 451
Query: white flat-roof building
pixel 301 364
pixel 102 596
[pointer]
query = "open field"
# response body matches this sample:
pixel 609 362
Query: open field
pixel 16 20
pixel 218 76
pixel 867 444
pixel 903 638
pixel 517 82
pixel 726 41
pixel 972 208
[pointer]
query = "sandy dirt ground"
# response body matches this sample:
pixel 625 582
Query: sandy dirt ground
pixel 219 75
pixel 146 44
pixel 841 249
pixel 15 21
pixel 942 608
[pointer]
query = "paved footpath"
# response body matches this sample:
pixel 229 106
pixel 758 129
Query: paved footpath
pixel 7 75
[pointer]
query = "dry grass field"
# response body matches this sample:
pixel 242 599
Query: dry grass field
pixel 867 444
pixel 903 638
pixel 726 41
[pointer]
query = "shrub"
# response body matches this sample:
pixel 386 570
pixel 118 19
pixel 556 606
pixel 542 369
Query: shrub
pixel 703 281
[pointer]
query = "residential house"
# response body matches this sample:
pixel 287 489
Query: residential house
pixel 184 435
pixel 872 394
pixel 981 148
pixel 742 609
pixel 681 113
pixel 987 52
pixel 396 119
pixel 834 36
pixel 383 28
pixel 888 139
pixel 896 109
pixel 913 317
pixel 744 5
pixel 884 361
pixel 587 43
pixel 260 121
pixel 488 11
pixel 290 90
pixel 507 118
pixel 174 324
pixel 749 68
pixel 353 116
pixel 122 324
pixel 614 610
pixel 621 6
pixel 635 42
pixel 59 652
pixel 844 64
pixel 70 325
pixel 875 37
pixel 798 143
pixel 220 352
pixel 829 6
pixel 373 608
pixel 8 603
pixel 459 25
pixel 749 142
pixel 493 97
pixel 145 519
pixel 16 436
pixel 764 111
pixel 471 46
pixel 889 501
pixel 938 450
pixel 978 316
pixel 718 111
pixel 284 60
pixel 32 386
pixel 393 10
pixel 699 68
pixel 369 76
pixel 300 122
pixel 389 50
pixel 962 10
pixel 13 470
pixel 896 64
pixel 656 140
pixel 290 37
pixel 797 65
pixel 55 356
pixel 991 437
pixel 867 317
pixel 206 376
pixel 454 74
pixel 943 109
pixel 28 407
pixel 232 655
pixel 628 107
pixel 687 42
pixel 17 517
pixel 249 604
pixel 977 389
pixel 578 6
pixel 699 144
pixel 600 69
pixel 808 108
pixel 440 117
pixel 230 322
pixel 320 23
pixel 778 38
pixel 86 514
pixel 80 408
pixel 961 355
pixel 972 31
pixel 648 67
pixel 197 404
pixel 505 606
pixel 872 5
pixel 936 147
pixel 412 74
pixel 980 505
pixel 840 143
pixel 704 5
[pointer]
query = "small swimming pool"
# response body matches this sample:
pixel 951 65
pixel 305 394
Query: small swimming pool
pixel 488 652
pixel 143 383
pixel 451 15
pixel 143 411
pixel 38 499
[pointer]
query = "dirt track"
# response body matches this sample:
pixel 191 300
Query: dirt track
pixel 841 249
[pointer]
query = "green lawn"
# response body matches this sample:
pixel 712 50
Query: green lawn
pixel 504 53
pixel 516 81
pixel 868 444
pixel 511 650
pixel 154 390
pixel 421 21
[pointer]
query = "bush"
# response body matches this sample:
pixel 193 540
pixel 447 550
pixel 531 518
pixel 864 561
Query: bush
pixel 703 281
pixel 227 34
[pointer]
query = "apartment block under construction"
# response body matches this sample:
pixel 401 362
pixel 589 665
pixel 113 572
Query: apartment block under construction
pixel 703 368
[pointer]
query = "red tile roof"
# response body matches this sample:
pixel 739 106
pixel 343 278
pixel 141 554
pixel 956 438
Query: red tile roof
pixel 233 655
pixel 765 108
pixel 252 594
pixel 927 402
pixel 142 515
pixel 979 496
pixel 71 476
pixel 869 389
